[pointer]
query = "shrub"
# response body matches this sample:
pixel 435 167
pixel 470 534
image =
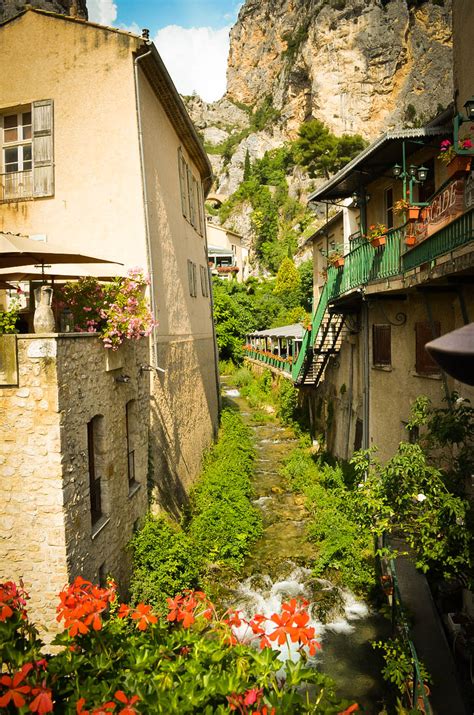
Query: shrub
pixel 165 561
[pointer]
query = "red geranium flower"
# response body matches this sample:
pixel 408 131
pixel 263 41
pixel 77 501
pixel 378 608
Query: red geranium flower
pixel 42 702
pixel 15 691
pixel 144 616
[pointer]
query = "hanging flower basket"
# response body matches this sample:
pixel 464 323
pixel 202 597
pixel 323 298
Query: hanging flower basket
pixel 458 166
pixel 410 240
pixel 377 241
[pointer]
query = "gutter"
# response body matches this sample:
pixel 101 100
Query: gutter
pixel 149 257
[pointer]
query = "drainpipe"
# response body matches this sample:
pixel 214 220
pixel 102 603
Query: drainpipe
pixel 366 373
pixel 211 296
pixel 154 343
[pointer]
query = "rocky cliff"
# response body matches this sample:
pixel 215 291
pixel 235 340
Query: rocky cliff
pixel 360 66
pixel 10 8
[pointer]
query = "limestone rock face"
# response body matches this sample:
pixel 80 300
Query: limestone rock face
pixel 358 65
pixel 10 8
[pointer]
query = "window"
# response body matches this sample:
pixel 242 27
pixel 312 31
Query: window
pixel 204 281
pixel 381 345
pixel 425 365
pixel 93 439
pixel 389 207
pixel 130 422
pixel 192 279
pixel 27 152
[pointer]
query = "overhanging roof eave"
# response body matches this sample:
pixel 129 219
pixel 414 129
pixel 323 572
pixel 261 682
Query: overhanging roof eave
pixel 348 179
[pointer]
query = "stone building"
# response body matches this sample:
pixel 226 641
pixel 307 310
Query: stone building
pixel 98 154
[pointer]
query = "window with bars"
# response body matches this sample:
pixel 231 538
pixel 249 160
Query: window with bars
pixel 424 333
pixel 95 489
pixel 26 135
pixel 381 345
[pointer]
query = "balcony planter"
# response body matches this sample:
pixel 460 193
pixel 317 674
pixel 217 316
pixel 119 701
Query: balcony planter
pixel 413 213
pixel 410 240
pixel 377 241
pixel 458 166
pixel 420 705
pixel 338 263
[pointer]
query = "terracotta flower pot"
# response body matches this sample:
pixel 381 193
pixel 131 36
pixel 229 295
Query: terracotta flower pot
pixel 413 213
pixel 339 262
pixel 378 241
pixel 458 166
pixel 410 240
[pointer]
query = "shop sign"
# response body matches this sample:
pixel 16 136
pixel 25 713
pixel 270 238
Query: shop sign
pixel 454 200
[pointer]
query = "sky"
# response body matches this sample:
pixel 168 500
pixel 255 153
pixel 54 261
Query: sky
pixel 192 36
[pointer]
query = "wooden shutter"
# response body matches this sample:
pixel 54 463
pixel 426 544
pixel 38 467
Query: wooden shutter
pixel 192 209
pixel 198 207
pixel 183 183
pixel 381 345
pixel 43 165
pixel 425 365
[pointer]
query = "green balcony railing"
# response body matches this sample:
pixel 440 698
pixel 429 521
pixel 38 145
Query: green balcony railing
pixel 455 234
pixel 364 264
pixel 273 360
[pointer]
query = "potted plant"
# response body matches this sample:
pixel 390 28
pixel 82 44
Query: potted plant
pixel 410 240
pixel 386 581
pixel 456 164
pixel 376 234
pixel 336 258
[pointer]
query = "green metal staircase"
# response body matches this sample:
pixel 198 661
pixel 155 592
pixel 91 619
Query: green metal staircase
pixel 319 343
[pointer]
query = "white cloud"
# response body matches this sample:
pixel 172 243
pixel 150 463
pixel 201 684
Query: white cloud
pixel 102 11
pixel 196 58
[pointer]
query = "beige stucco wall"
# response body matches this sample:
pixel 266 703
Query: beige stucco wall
pixel 46 534
pixel 392 390
pixel 185 401
pixel 88 73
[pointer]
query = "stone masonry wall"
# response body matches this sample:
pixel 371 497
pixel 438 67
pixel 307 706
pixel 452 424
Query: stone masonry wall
pixel 46 534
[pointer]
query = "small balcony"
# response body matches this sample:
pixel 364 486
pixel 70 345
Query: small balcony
pixel 16 185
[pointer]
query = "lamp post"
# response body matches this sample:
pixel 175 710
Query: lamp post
pixel 460 119
pixel 414 175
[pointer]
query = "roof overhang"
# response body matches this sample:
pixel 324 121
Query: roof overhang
pixel 376 161
pixel 163 85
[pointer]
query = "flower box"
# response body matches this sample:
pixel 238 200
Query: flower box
pixel 413 213
pixel 458 166
pixel 377 241
pixel 338 262
pixel 410 240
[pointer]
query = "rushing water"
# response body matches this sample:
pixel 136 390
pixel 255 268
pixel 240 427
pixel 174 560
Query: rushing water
pixel 278 570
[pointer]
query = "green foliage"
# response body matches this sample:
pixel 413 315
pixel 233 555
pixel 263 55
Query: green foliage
pixel 247 166
pixel 287 402
pixel 224 524
pixel 165 561
pixel 398 669
pixel 294 40
pixel 345 550
pixel 8 319
pixel 323 153
pixel 288 280
pixel 305 270
pixel 410 496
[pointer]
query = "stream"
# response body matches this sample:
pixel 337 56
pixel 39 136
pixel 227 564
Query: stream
pixel 279 569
